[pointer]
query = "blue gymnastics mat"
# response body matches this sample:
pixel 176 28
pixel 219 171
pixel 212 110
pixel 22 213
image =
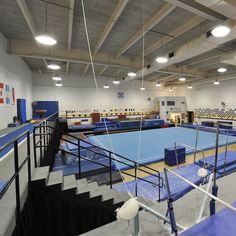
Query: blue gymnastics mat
pixel 219 224
pixel 178 187
pixel 153 142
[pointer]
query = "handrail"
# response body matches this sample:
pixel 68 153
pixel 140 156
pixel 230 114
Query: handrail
pixel 108 154
pixel 15 176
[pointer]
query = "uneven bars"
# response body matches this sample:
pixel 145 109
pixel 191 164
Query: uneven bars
pixel 202 190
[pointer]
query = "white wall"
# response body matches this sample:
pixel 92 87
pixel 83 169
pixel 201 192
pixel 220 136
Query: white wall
pixel 17 74
pixel 79 93
pixel 210 96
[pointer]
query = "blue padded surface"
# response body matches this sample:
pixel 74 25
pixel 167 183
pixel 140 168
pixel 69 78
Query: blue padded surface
pixel 73 147
pixel 2 185
pixel 50 106
pixel 153 142
pixel 219 224
pixel 81 127
pixel 209 161
pixel 178 187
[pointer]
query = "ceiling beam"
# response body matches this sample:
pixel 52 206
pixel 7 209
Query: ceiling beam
pixel 160 15
pixel 176 33
pixel 231 2
pixel 154 77
pixel 103 70
pixel 198 9
pixel 29 49
pixel 85 69
pixel 111 22
pixel 27 16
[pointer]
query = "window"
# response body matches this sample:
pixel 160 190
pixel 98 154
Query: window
pixel 170 103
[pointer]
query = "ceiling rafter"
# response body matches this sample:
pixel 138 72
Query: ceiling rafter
pixel 176 33
pixel 154 20
pixel 111 22
pixel 103 70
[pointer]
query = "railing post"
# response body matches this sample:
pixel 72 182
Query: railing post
pixel 40 143
pixel 17 184
pixel 110 170
pixel 29 158
pixel 35 152
pixel 135 174
pixel 79 159
pixel 44 137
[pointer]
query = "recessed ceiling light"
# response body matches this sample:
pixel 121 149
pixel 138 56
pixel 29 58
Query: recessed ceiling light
pixel 59 84
pixel 46 40
pixel 220 31
pixel 182 79
pixel 116 81
pixel 106 86
pixel 222 70
pixel 142 88
pixel 216 82
pixel 171 89
pixel 56 78
pixel 190 87
pixel 158 84
pixel 53 66
pixel 161 59
pixel 131 74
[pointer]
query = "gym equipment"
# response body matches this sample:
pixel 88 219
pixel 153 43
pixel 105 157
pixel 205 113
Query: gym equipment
pixel 174 155
pixel 21 110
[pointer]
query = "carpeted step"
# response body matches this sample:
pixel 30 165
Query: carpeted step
pixel 55 178
pixel 40 173
pixel 69 182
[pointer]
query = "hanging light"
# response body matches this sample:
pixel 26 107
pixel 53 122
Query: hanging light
pixel 116 81
pixel 45 38
pixel 161 60
pixel 106 86
pixel 190 86
pixel 158 84
pixel 142 88
pixel 222 69
pixel 59 84
pixel 54 66
pixel 171 89
pixel 131 74
pixel 56 78
pixel 220 31
pixel 182 79
pixel 216 82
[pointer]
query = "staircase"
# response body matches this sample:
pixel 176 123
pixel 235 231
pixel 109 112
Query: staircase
pixel 153 112
pixel 89 205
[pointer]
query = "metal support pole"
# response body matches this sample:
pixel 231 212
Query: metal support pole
pixel 136 184
pixel 170 206
pixel 40 145
pixel 79 160
pixel 196 143
pixel 110 170
pixel 215 187
pixel 29 158
pixel 136 225
pixel 35 152
pixel 17 182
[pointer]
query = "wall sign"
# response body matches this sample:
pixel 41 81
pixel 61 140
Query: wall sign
pixel 7 94
pixel 120 94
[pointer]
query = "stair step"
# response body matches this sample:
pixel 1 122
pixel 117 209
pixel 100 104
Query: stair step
pixel 40 173
pixel 121 197
pixel 69 182
pixel 87 187
pixel 55 177
pixel 101 190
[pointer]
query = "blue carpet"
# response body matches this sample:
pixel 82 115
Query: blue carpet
pixel 153 142
pixel 220 224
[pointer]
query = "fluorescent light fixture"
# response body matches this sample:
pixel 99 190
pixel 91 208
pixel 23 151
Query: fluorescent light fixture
pixel 220 31
pixel 46 39
pixel 222 70
pixel 171 89
pixel 182 79
pixel 158 84
pixel 56 78
pixel 53 66
pixel 106 86
pixel 131 74
pixel 142 88
pixel 116 81
pixel 161 59
pixel 190 86
pixel 59 84
pixel 216 82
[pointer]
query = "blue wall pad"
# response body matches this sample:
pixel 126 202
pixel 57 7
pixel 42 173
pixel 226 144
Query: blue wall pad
pixel 219 224
pixel 50 106
pixel 21 110
pixel 153 142
pixel 12 134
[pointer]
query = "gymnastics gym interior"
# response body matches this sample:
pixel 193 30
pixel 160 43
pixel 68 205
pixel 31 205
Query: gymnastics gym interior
pixel 117 117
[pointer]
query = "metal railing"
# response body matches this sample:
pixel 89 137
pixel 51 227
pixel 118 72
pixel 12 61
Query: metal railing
pixel 17 169
pixel 97 150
